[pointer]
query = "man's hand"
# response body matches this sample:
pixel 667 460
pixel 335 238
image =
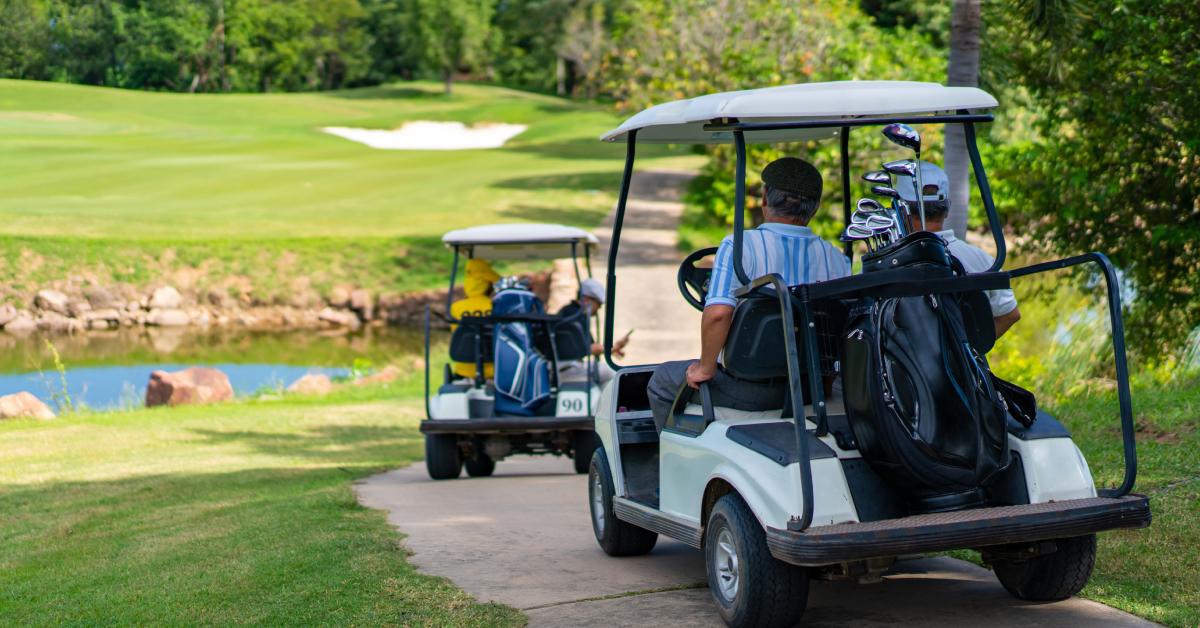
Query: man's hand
pixel 619 346
pixel 618 349
pixel 698 373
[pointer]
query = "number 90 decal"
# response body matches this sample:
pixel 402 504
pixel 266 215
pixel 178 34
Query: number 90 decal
pixel 570 406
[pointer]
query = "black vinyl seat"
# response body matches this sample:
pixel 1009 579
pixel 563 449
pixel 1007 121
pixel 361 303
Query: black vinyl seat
pixel 755 348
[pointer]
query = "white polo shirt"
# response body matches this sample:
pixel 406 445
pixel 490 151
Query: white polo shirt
pixel 975 260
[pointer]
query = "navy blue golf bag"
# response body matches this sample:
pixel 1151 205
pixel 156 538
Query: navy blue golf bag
pixel 522 375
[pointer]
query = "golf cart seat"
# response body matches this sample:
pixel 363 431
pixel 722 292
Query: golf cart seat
pixel 755 349
pixel 471 343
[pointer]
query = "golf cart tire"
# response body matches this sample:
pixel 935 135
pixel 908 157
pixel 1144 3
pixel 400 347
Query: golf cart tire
pixel 616 537
pixel 584 443
pixel 443 460
pixel 481 466
pixel 1050 577
pixel 769 591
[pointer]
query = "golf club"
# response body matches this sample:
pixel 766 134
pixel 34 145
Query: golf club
pixel 861 232
pixel 890 192
pixel 906 136
pixel 870 205
pixel 877 176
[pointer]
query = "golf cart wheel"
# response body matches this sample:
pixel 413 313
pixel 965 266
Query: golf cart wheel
pixel 616 537
pixel 1050 577
pixel 585 443
pixel 442 457
pixel 748 585
pixel 481 466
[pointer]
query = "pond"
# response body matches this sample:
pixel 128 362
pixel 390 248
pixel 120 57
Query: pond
pixel 109 370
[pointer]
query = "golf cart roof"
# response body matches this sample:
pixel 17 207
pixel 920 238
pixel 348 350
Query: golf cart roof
pixel 520 241
pixel 700 120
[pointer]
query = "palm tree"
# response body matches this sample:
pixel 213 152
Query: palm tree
pixel 963 70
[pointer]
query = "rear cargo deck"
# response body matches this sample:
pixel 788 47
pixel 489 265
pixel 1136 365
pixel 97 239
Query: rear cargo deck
pixel 979 527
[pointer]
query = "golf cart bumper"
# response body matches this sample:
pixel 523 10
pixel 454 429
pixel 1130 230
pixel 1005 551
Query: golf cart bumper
pixel 980 527
pixel 506 425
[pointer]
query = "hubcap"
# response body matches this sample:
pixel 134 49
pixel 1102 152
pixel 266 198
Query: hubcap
pixel 726 559
pixel 598 504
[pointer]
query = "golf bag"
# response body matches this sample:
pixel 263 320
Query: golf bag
pixel 522 376
pixel 918 392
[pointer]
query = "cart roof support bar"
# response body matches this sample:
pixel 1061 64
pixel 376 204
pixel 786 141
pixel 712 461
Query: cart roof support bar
pixel 618 220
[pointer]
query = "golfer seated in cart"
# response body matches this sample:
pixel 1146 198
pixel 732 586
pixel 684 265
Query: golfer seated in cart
pixel 783 244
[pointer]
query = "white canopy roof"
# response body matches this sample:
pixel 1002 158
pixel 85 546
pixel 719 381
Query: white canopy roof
pixel 683 121
pixel 520 240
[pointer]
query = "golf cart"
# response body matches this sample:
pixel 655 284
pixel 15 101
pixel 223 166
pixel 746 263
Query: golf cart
pixel 508 399
pixel 839 484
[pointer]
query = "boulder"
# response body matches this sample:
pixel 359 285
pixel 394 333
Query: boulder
pixel 388 375
pixel 339 318
pixel 168 318
pixel 24 404
pixel 165 298
pixel 361 303
pixel 108 314
pixel 51 301
pixel 219 297
pixel 100 298
pixel 57 323
pixel 312 384
pixel 8 314
pixel 195 385
pixel 339 297
pixel 78 307
pixel 22 324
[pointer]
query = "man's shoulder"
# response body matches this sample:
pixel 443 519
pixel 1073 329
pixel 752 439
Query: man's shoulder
pixel 973 258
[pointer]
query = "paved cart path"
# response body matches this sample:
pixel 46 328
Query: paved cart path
pixel 524 537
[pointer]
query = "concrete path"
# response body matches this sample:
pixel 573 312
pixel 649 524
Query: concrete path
pixel 523 538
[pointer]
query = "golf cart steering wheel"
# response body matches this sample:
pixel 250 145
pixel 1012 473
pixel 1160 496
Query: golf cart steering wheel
pixel 693 280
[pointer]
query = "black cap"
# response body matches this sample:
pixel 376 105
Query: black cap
pixel 794 176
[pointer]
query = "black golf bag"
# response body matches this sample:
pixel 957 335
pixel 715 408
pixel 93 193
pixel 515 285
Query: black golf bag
pixel 918 392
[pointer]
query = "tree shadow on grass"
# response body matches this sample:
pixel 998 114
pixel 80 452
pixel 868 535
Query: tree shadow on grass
pixel 387 92
pixel 587 218
pixel 577 181
pixel 331 444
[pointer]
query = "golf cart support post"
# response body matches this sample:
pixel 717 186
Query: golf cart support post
pixel 789 302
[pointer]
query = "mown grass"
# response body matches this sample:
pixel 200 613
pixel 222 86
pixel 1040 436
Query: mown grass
pixel 118 186
pixel 235 514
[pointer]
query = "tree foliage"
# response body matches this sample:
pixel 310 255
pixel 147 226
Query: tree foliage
pixel 1115 166
pixel 452 35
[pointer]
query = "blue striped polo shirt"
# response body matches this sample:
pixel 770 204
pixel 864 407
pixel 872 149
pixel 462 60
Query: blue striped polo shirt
pixel 794 252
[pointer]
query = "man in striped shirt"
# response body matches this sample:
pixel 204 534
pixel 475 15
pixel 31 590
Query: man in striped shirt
pixel 783 244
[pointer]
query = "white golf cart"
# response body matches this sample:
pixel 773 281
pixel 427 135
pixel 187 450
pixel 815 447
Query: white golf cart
pixel 773 500
pixel 513 401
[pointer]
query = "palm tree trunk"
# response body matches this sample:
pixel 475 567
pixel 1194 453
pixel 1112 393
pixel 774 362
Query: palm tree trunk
pixel 963 70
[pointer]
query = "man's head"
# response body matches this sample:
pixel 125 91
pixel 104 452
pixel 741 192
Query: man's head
pixel 591 294
pixel 936 193
pixel 791 191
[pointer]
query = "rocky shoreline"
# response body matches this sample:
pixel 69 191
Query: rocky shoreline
pixel 98 308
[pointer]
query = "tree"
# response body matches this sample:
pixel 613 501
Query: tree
pixel 962 70
pixel 452 35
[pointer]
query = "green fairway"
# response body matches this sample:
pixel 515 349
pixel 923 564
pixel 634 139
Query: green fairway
pixel 87 161
pixel 237 514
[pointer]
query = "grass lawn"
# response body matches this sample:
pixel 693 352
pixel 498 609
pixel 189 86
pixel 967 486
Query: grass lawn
pixel 236 514
pixel 136 187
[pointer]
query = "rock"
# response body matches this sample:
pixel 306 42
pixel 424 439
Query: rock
pixel 195 385
pixel 338 317
pixel 22 324
pixel 51 301
pixel 24 404
pixel 199 318
pixel 165 298
pixel 108 314
pixel 57 323
pixel 563 286
pixel 339 297
pixel 100 298
pixel 8 314
pixel 219 297
pixel 312 384
pixel 360 302
pixel 101 324
pixel 388 375
pixel 168 318
pixel 76 308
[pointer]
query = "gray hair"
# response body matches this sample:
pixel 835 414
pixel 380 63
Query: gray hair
pixel 791 205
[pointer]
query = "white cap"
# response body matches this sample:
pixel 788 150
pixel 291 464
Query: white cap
pixel 592 288
pixel 933 179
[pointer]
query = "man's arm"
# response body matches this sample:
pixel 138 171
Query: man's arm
pixel 1006 321
pixel 714 329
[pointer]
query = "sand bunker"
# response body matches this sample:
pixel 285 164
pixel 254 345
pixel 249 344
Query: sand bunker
pixel 422 135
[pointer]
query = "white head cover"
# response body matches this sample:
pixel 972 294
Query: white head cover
pixel 592 288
